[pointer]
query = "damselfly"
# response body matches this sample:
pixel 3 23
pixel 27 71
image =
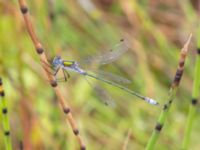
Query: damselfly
pixel 66 65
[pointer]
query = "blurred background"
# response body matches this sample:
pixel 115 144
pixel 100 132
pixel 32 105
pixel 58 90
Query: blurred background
pixel 77 29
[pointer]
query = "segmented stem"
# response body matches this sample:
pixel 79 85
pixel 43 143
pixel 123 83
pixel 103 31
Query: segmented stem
pixel 41 52
pixel 193 103
pixel 171 95
pixel 5 119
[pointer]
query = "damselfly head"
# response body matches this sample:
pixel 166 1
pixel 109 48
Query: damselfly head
pixel 57 61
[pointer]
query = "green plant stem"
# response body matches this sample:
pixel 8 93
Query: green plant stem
pixel 193 104
pixel 189 124
pixel 171 95
pixel 155 135
pixel 5 119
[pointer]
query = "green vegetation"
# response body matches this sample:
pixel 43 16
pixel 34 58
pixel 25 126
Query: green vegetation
pixel 80 29
pixel 5 118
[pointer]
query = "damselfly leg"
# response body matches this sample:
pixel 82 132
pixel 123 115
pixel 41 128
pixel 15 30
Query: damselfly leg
pixel 48 67
pixel 54 71
pixel 65 78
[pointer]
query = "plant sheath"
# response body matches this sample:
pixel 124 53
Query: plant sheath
pixel 171 95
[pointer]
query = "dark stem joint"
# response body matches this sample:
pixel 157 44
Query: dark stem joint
pixel 158 127
pixel 4 110
pixel 7 133
pixel 76 132
pixel 66 110
pixel 194 101
pixel 83 148
pixel 198 51
pixel 181 63
pixel 1 82
pixel 24 9
pixel 40 50
pixel 2 93
pixel 52 16
pixel 21 147
pixel 178 76
pixel 165 107
pixel 53 83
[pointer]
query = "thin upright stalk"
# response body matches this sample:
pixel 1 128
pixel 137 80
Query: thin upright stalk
pixel 125 144
pixel 193 104
pixel 5 119
pixel 41 52
pixel 171 95
pixel 194 100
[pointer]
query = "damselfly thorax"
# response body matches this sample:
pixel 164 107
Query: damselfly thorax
pixel 58 63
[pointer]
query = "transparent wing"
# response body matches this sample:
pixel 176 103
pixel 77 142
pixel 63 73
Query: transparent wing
pixel 112 77
pixel 104 96
pixel 109 56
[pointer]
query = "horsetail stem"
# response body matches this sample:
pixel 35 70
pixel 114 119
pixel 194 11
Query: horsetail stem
pixel 171 95
pixel 193 102
pixel 5 119
pixel 43 58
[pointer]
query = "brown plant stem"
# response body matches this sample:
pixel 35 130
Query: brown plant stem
pixel 41 52
pixel 125 144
